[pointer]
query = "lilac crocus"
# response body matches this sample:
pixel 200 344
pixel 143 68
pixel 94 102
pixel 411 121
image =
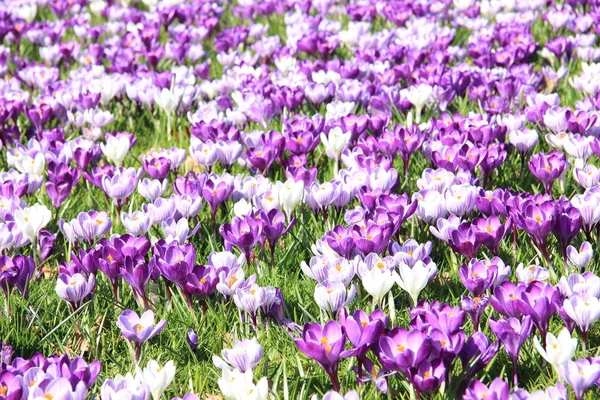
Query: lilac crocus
pixel 580 374
pixel 513 334
pixel 580 257
pixel 324 344
pixel 201 282
pixel 429 376
pixel 88 226
pixel 244 356
pixel 139 329
pixel 498 390
pixel 121 185
pixel 74 289
pixel 332 296
pixel 478 276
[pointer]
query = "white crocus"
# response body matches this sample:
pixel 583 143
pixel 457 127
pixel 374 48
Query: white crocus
pixel 559 349
pixel 27 12
pixel 116 148
pixel 168 100
pixel 335 142
pixel 236 385
pixel 31 165
pixel 31 219
pixel 242 208
pixel 419 95
pixel 157 377
pixel 378 281
pixel 289 195
pixel 413 280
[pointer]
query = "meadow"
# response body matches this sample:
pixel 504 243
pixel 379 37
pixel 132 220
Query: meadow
pixel 320 199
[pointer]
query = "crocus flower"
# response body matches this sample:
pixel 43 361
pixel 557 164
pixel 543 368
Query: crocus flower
pixel 558 349
pixel 512 333
pixel 157 377
pixel 335 142
pixel 116 148
pixel 580 375
pixel 139 329
pixel 362 331
pixel 324 344
pixel 124 389
pixel 539 302
pixel 413 280
pixel 547 167
pixel 580 257
pixel 31 220
pixel 428 377
pixel 236 385
pixel 332 296
pixel 498 390
pixel 60 388
pixel 191 339
pixel 244 356
pixel 242 232
pixel 289 194
pixel 400 349
pixel 377 279
pixel 351 395
pixel 74 289
pixel 88 226
pixel 584 310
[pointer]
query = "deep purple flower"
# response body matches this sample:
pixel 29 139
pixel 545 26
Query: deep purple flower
pixel 512 333
pixel 539 302
pixel 174 261
pixel 464 241
pixel 157 167
pixel 400 350
pixel 507 299
pixel 547 167
pixel 324 344
pixel 490 231
pixel 275 227
pixel 191 338
pixel 362 331
pixel 243 232
pixel 429 376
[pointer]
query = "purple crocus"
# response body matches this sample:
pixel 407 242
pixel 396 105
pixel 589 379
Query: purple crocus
pixel 157 167
pixel 362 330
pixel 401 349
pixel 201 282
pixel 275 227
pixel 512 333
pixel 324 344
pixel 139 329
pixel 539 302
pixel 429 376
pixel 243 232
pixel 547 167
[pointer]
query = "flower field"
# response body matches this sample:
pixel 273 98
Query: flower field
pixel 299 199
